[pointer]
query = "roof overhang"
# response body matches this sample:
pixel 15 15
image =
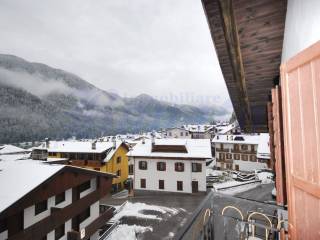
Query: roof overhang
pixel 248 36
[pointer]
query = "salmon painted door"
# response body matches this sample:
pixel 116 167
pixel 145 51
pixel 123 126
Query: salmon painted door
pixel 300 84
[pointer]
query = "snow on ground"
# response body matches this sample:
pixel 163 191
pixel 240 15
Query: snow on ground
pixel 137 209
pixel 235 186
pixel 265 177
pixel 240 189
pixel 127 232
pixel 211 172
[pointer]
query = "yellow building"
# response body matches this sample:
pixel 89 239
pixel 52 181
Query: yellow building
pixel 102 156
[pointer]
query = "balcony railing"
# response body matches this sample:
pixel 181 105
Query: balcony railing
pixel 222 149
pixel 244 151
pixel 92 227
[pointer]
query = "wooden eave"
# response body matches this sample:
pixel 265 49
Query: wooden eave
pixel 248 36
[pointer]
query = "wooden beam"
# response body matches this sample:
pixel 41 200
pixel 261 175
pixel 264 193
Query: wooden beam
pixel 233 47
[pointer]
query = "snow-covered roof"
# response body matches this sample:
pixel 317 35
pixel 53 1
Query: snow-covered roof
pixel 196 148
pixel 198 128
pixel 17 178
pixel 263 150
pixel 83 147
pixel 79 146
pixel 225 129
pixel 247 139
pixel 9 149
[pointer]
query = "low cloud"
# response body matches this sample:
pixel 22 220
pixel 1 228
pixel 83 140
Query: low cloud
pixel 33 83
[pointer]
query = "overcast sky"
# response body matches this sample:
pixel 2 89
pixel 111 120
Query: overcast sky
pixel 159 47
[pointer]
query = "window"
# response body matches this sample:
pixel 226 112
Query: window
pixel 221 156
pixel 84 215
pixel 142 183
pixel 84 186
pixel 170 134
pixel 161 166
pixel 181 134
pixel 161 184
pixel 253 158
pixel 236 147
pixel 252 148
pixel 143 165
pixel 228 155
pixel 41 207
pixel 179 185
pixel 229 165
pixel 244 157
pixel 60 198
pixel 119 173
pixel 244 147
pixel 131 169
pixel 196 167
pixel 236 156
pixel 59 232
pixel 118 159
pixel 187 134
pixel 179 167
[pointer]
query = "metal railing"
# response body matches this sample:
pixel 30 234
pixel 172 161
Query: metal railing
pixel 203 224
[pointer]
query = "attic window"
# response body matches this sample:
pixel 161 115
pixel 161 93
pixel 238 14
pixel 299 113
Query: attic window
pixel 238 138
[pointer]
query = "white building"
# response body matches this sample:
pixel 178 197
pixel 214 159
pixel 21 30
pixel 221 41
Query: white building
pixel 170 165
pixel 202 131
pixel 242 152
pixel 176 132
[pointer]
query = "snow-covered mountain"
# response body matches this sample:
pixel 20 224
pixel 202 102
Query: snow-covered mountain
pixel 38 101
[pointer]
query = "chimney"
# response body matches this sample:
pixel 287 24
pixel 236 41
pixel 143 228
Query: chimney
pixel 47 142
pixel 114 143
pixel 94 145
pixel 152 138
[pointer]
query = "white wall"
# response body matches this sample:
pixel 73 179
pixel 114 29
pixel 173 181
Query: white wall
pixel 93 187
pixel 176 133
pixel 29 213
pixel 170 176
pixel 302 27
pixel 94 214
pixel 67 228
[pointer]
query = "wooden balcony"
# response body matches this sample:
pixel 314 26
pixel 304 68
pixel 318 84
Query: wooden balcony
pixel 244 151
pixel 222 149
pixel 224 160
pixel 61 215
pixel 92 227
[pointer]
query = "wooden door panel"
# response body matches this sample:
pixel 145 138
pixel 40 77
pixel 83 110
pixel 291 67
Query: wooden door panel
pixel 300 83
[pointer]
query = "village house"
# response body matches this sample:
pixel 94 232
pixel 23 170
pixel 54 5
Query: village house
pixel 240 152
pixel 170 165
pixel 53 202
pixel 201 131
pixel 108 157
pixel 176 132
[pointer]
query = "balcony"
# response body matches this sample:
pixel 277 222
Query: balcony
pixel 224 160
pixel 244 151
pixel 92 227
pixel 222 149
